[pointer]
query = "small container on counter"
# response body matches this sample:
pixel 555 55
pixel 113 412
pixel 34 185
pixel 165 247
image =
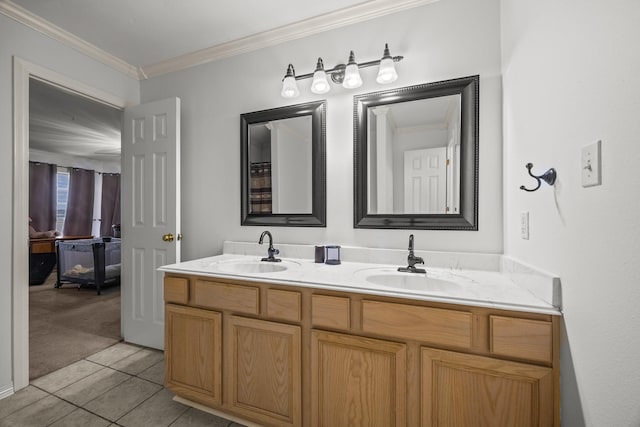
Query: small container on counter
pixel 332 254
pixel 319 254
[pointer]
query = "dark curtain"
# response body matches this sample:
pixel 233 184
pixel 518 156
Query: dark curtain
pixel 42 195
pixel 79 217
pixel 110 210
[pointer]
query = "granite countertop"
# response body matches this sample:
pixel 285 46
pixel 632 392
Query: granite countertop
pixel 521 288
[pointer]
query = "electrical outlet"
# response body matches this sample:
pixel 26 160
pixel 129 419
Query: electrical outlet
pixel 524 225
pixel 591 165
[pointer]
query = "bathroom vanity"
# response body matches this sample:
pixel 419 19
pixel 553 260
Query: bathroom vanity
pixel 303 344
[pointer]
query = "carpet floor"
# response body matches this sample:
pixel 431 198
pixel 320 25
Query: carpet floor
pixel 67 324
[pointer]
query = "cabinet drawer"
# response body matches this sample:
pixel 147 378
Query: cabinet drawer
pixel 521 338
pixel 236 298
pixel 432 325
pixel 42 247
pixel 330 312
pixel 176 290
pixel 283 305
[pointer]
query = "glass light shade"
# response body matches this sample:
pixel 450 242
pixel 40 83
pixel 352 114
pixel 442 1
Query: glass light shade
pixel 352 77
pixel 289 85
pixel 387 71
pixel 289 88
pixel 320 83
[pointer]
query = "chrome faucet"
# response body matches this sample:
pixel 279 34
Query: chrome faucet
pixel 271 251
pixel 412 260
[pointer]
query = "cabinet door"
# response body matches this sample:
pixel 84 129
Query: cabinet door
pixel 266 370
pixel 357 381
pixel 465 390
pixel 193 339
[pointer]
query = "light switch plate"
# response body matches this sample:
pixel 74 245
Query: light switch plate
pixel 524 225
pixel 591 165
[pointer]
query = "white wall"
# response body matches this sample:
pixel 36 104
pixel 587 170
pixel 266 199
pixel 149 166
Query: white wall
pixel 447 39
pixel 571 76
pixel 16 39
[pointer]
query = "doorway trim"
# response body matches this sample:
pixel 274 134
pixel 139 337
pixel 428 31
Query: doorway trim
pixel 22 72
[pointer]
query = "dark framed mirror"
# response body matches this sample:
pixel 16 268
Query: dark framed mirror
pixel 416 157
pixel 283 166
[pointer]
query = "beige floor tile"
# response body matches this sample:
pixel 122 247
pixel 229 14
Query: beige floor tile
pixel 195 418
pixel 123 398
pixel 81 418
pixel 154 374
pixel 158 411
pixel 66 376
pixel 42 413
pixel 92 386
pixel 20 399
pixel 113 354
pixel 138 361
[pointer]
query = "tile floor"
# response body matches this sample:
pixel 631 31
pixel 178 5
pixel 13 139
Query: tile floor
pixel 118 386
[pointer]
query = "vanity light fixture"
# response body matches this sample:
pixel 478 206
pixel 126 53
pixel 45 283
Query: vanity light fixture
pixel 352 77
pixel 289 86
pixel 320 84
pixel 346 75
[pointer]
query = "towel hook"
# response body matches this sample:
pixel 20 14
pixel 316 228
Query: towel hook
pixel 549 177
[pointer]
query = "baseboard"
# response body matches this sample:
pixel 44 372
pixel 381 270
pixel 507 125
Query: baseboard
pixel 6 391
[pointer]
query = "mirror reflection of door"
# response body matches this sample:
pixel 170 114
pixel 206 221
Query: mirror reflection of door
pixel 280 157
pixel 425 180
pixel 414 157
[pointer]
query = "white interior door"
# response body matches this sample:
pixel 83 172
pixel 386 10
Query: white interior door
pixel 150 215
pixel 425 174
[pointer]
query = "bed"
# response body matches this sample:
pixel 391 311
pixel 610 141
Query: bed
pixel 90 262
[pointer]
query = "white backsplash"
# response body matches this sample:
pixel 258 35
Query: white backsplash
pixel 543 285
pixel 452 260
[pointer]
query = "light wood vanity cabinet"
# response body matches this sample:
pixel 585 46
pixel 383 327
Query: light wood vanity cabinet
pixel 297 356
pixel 357 381
pixel 469 390
pixel 193 353
pixel 264 370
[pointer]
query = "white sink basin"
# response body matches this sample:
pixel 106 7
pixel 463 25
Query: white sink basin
pixel 254 267
pixel 414 282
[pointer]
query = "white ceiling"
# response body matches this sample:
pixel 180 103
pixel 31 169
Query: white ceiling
pixel 151 37
pixel 430 112
pixel 67 123
pixel 145 32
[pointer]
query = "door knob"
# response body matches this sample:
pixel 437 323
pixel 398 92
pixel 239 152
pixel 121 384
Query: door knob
pixel 168 237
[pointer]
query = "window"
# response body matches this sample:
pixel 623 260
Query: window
pixel 62 194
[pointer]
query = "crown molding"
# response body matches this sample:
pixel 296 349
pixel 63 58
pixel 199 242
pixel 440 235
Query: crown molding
pixel 23 16
pixel 340 18
pixel 337 19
